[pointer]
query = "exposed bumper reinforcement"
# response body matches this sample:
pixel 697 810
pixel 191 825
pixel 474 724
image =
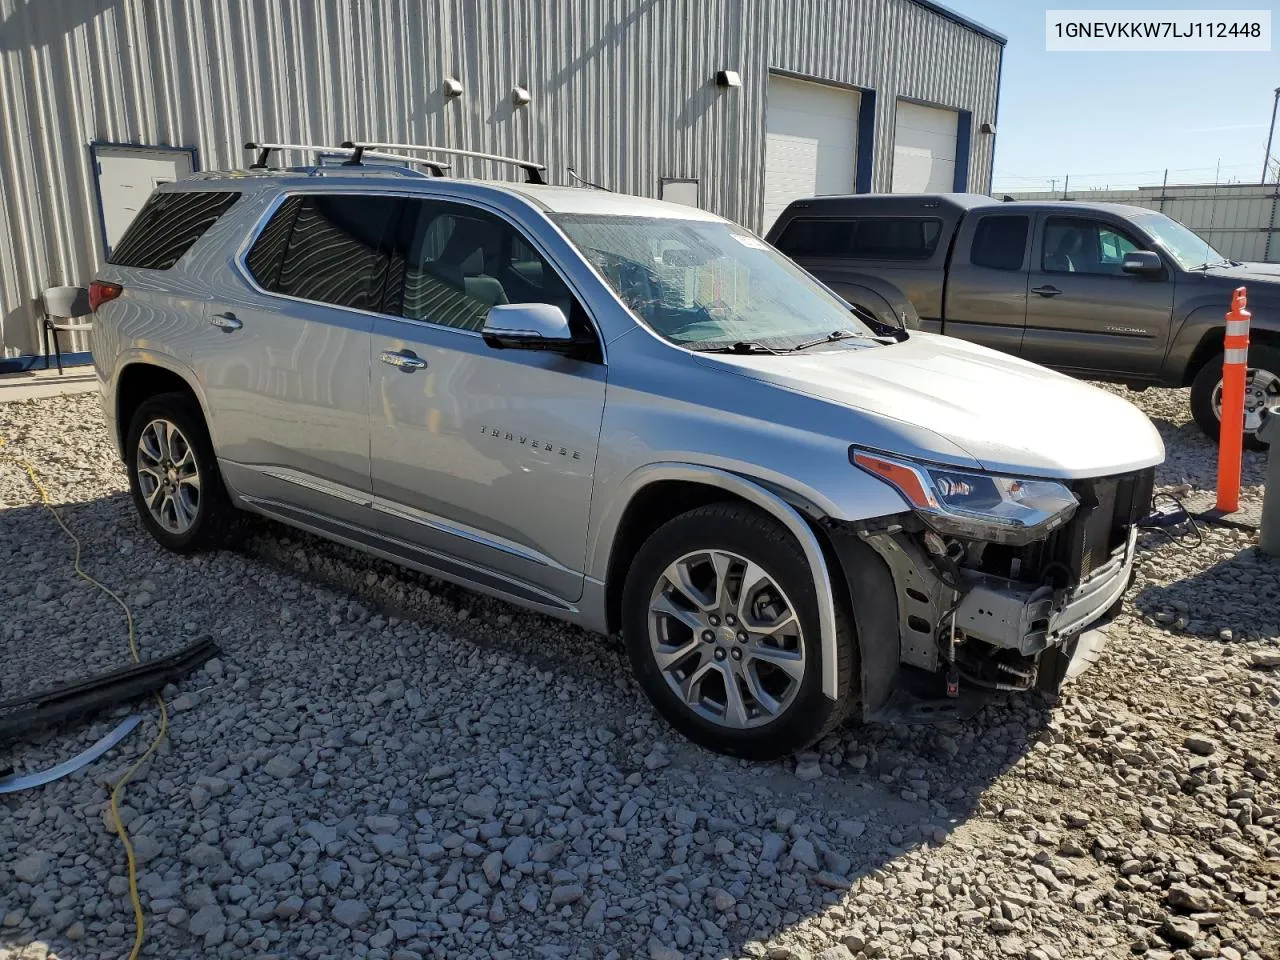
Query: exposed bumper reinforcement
pixel 1025 618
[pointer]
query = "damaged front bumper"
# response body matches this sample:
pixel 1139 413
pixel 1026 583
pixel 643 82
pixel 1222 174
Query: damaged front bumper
pixel 1026 618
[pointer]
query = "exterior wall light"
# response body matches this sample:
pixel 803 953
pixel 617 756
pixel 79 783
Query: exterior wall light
pixel 452 87
pixel 988 128
pixel 728 78
pixel 520 96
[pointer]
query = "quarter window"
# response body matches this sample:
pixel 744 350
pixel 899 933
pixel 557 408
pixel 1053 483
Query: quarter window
pixel 168 225
pixel 1000 242
pixel 871 238
pixel 451 263
pixel 1084 246
pixel 325 248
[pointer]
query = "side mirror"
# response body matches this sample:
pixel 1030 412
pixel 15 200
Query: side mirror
pixel 528 326
pixel 1142 262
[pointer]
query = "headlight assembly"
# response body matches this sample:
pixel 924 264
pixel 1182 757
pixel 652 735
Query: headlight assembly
pixel 976 506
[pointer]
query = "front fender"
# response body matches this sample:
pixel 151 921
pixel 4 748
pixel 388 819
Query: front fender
pixel 604 532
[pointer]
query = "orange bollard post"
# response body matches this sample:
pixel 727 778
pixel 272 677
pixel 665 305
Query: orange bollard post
pixel 1235 363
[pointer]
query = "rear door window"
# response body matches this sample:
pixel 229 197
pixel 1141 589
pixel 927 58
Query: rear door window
pixel 331 249
pixel 168 225
pixel 869 238
pixel 1000 242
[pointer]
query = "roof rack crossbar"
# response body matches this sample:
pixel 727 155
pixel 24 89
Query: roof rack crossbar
pixel 357 154
pixel 534 171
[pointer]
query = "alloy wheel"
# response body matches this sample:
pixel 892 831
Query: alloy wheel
pixel 168 476
pixel 1261 389
pixel 726 638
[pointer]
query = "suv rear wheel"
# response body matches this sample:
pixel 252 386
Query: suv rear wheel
pixel 720 620
pixel 173 475
pixel 1262 389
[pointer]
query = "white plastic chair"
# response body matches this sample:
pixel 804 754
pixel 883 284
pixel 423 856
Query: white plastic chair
pixel 61 306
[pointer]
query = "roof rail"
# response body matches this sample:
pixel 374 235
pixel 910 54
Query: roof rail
pixel 265 149
pixel 534 171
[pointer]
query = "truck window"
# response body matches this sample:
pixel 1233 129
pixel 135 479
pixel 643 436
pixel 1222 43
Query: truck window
pixel 1084 246
pixel 1000 242
pixel 870 238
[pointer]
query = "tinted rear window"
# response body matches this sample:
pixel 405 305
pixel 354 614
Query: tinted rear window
pixel 167 226
pixel 325 248
pixel 1000 242
pixel 873 238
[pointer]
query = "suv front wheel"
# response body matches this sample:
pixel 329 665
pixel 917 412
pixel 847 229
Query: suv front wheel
pixel 173 475
pixel 720 620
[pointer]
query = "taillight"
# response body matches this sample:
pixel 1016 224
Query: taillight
pixel 101 292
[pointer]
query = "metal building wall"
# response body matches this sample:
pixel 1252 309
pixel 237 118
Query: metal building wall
pixel 1240 221
pixel 623 91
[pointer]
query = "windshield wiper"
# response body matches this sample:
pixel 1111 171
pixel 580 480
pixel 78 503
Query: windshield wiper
pixel 1222 262
pixel 739 346
pixel 831 337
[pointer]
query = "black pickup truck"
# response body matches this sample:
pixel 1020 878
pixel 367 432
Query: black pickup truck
pixel 1097 290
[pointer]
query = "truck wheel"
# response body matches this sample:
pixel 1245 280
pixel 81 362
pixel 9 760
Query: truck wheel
pixel 720 620
pixel 1262 389
pixel 174 477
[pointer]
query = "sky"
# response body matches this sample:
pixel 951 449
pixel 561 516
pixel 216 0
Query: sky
pixel 1121 119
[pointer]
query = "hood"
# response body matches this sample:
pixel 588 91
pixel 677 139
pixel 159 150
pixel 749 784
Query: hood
pixel 1008 415
pixel 1266 273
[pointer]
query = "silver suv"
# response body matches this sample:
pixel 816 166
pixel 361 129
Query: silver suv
pixel 629 414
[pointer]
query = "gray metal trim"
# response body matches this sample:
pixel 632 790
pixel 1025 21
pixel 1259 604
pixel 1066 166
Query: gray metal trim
pixel 411 555
pixel 961 19
pixel 403 512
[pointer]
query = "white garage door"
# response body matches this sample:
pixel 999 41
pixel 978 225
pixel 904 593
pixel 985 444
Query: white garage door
pixel 811 142
pixel 126 177
pixel 924 149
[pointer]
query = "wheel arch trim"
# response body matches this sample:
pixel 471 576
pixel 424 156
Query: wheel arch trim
pixel 754 493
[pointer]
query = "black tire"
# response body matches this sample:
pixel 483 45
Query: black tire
pixel 1261 356
pixel 756 537
pixel 214 514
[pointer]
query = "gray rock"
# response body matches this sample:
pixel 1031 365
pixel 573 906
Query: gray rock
pixel 772 847
pixel 1180 931
pixel 567 893
pixel 205 920
pixel 478 805
pixel 282 767
pixel 33 868
pixel 1189 899
pixel 275 873
pixel 517 851
pixel 802 852
pixel 1201 745
pixel 351 913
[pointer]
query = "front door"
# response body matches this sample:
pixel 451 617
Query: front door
pixel 284 354
pixel 484 456
pixel 1084 313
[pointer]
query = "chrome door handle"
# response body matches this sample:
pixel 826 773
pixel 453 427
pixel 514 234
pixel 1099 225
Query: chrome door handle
pixel 225 321
pixel 1046 291
pixel 404 359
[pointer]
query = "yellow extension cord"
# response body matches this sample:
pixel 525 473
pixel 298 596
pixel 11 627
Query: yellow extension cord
pixel 139 922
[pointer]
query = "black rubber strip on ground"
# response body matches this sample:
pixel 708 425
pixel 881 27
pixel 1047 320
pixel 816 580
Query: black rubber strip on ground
pixel 35 712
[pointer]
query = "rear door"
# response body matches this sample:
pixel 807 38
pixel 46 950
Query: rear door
pixel 284 353
pixel 1084 313
pixel 484 457
pixel 986 294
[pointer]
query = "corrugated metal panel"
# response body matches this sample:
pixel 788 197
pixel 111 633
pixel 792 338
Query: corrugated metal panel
pixel 1240 221
pixel 623 90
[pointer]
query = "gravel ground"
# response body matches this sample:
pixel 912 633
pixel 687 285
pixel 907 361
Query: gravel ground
pixel 380 765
